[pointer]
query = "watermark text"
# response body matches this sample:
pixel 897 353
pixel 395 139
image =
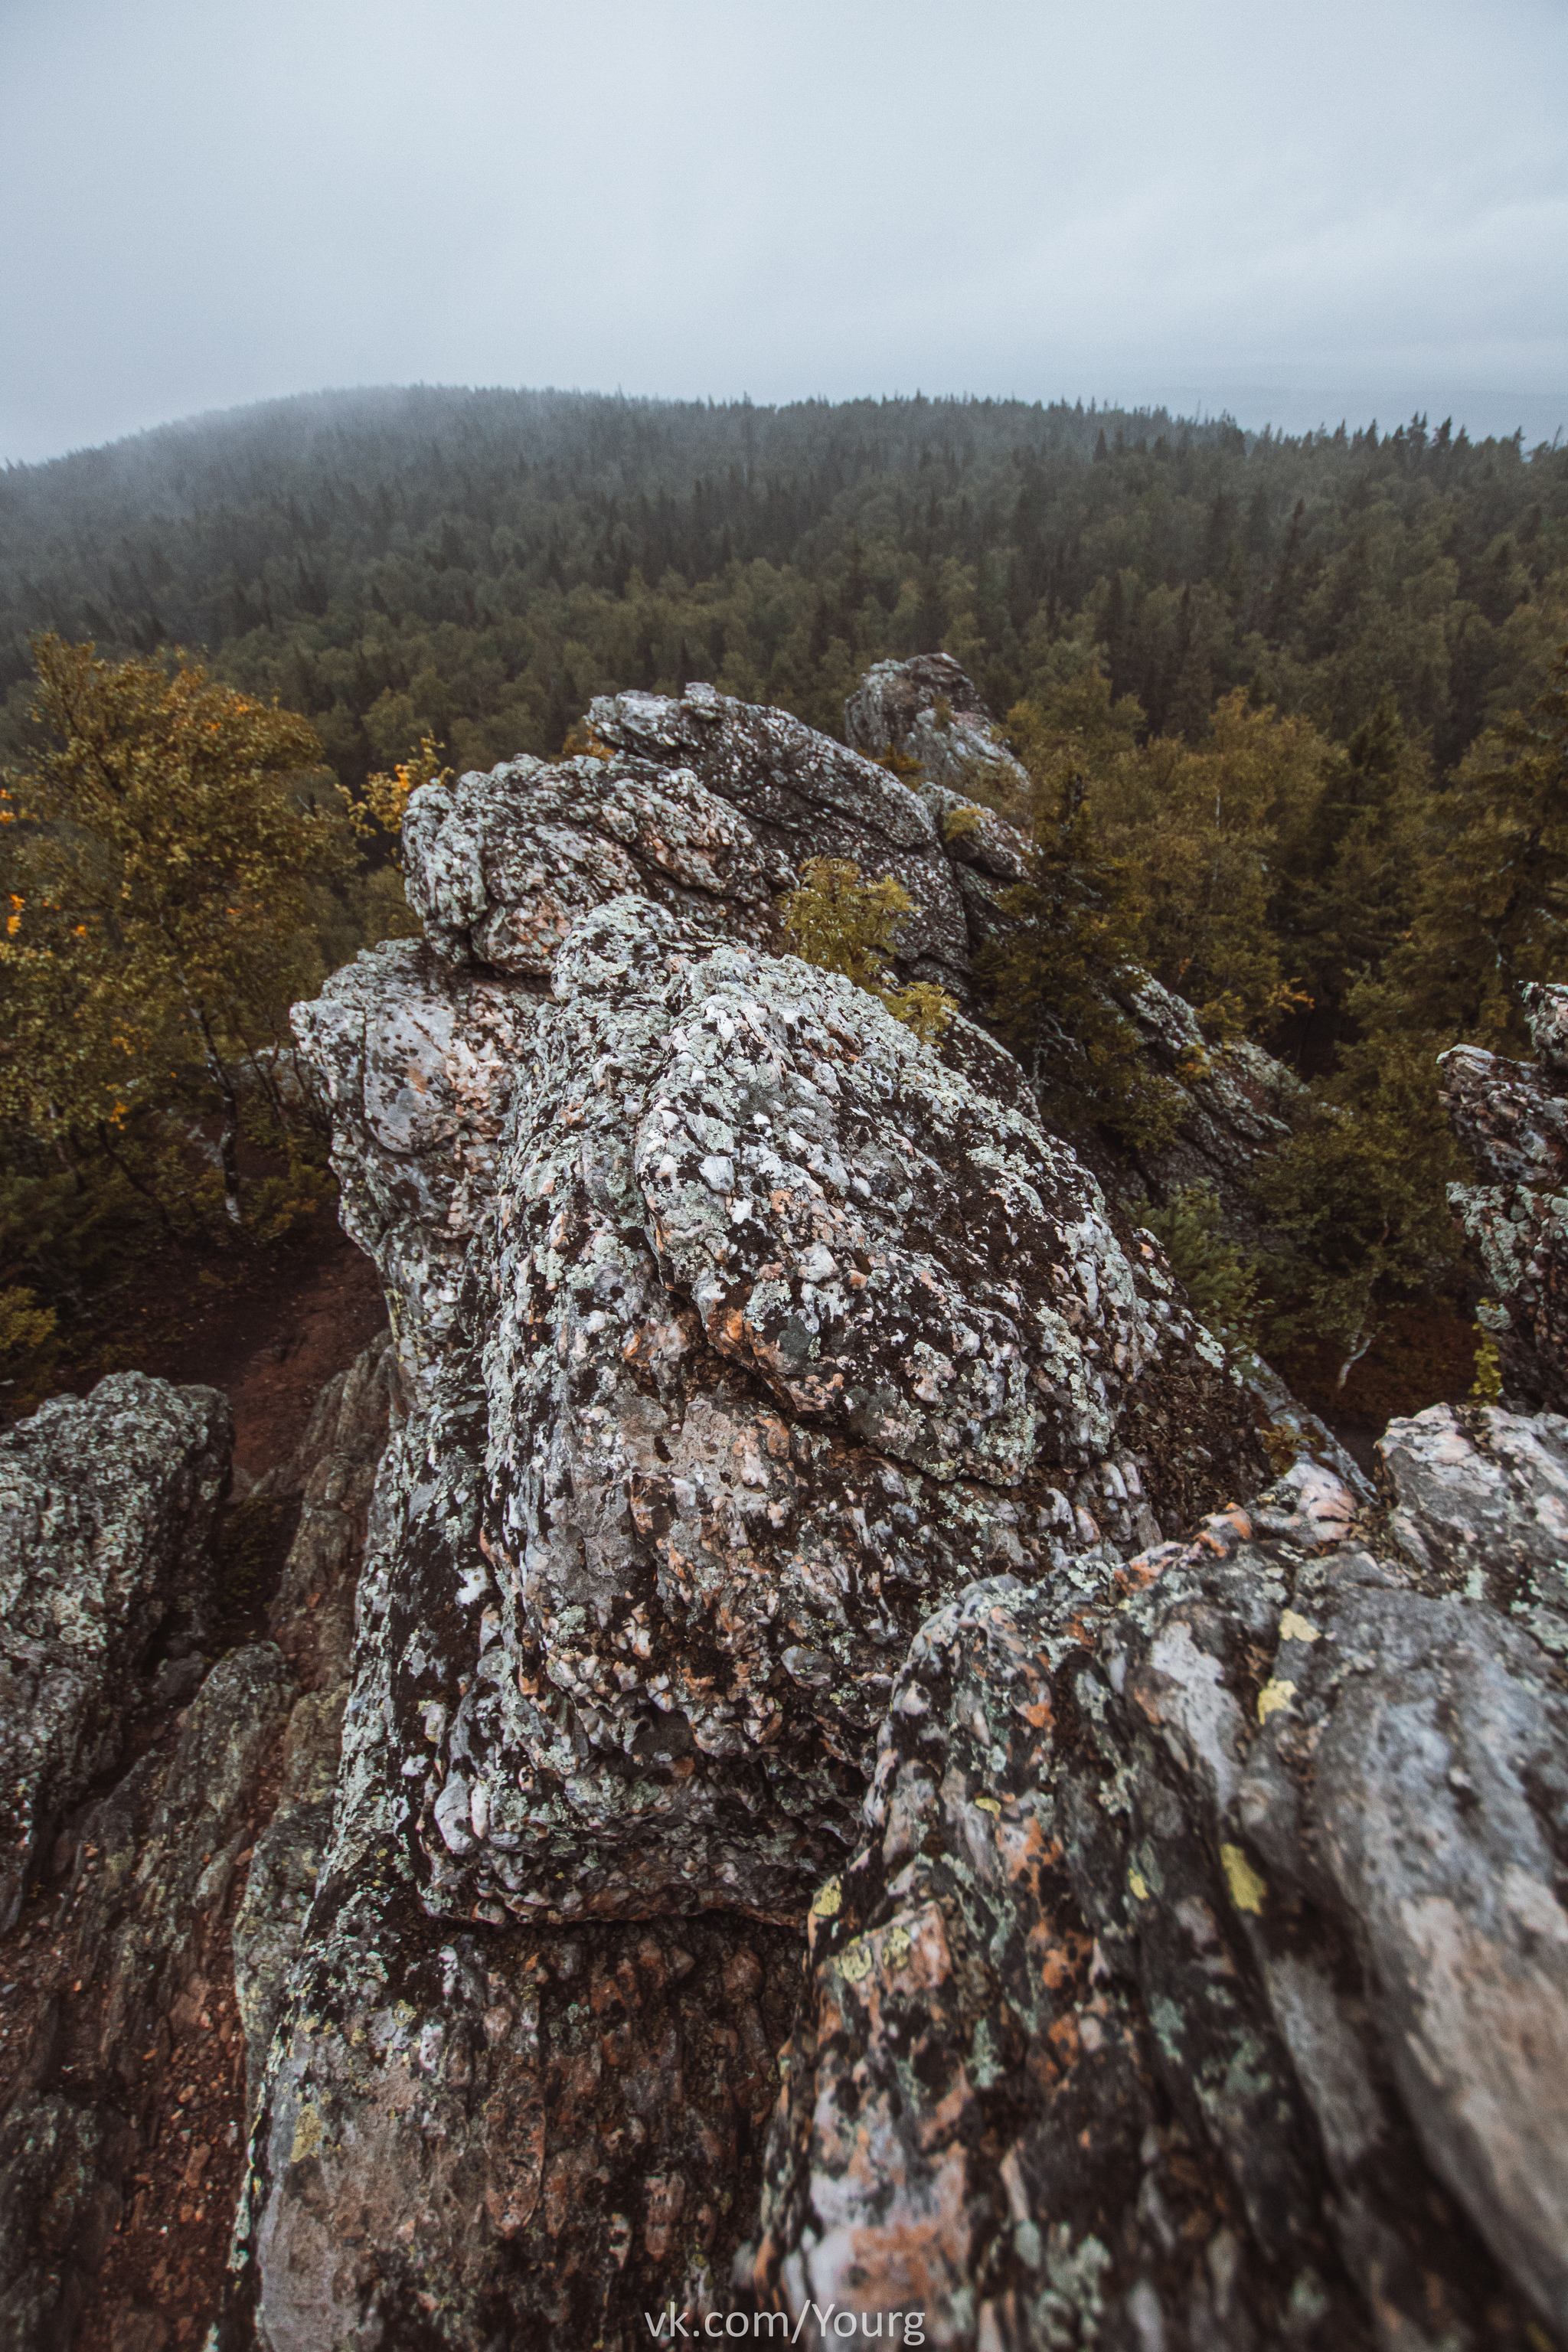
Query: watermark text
pixel 672 2325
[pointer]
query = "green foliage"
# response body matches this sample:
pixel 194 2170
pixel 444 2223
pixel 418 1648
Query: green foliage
pixel 1049 981
pixel 27 1349
pixel 1491 890
pixel 1358 1197
pixel 840 923
pixel 1266 691
pixel 475 566
pixel 1487 1386
pixel 1221 1283
pixel 169 829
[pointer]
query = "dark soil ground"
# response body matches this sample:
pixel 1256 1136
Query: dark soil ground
pixel 269 1329
pixel 1425 1354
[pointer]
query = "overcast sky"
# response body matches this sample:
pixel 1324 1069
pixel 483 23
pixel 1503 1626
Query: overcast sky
pixel 1296 213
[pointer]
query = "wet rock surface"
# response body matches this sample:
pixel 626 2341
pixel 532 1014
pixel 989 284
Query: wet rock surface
pixel 108 1507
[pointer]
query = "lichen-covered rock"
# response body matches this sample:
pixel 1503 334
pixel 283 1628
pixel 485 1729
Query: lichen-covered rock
pixel 471 2140
pixel 418 1062
pixel 773 1332
pixel 60 2169
pixel 802 795
pixel 1480 1507
pixel 1513 1120
pixel 311 1618
pixel 928 710
pixel 107 1505
pixel 1205 1981
pixel 499 866
pixel 201 1822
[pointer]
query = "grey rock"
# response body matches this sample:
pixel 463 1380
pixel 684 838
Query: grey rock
pixel 107 1505
pixel 61 2165
pixel 929 710
pixel 500 865
pixel 1480 1507
pixel 419 1063
pixel 284 1869
pixel 469 2138
pixel 311 1618
pixel 774 1331
pixel 1203 1977
pixel 1513 1120
pixel 200 1823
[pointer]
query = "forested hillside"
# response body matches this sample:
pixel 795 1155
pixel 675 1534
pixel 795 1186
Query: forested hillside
pixel 477 564
pixel 1293 714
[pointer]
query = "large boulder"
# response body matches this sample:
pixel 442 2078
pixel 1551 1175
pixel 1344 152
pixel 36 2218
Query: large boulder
pixel 108 1505
pixel 930 713
pixel 740 1331
pixel 769 1331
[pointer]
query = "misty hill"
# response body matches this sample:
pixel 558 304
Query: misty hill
pixel 480 563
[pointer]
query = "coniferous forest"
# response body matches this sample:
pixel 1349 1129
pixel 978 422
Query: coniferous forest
pixel 1294 709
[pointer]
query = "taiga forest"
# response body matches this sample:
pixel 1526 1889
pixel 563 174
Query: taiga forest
pixel 1293 710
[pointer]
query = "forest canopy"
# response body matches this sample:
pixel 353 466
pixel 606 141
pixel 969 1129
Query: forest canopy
pixel 1292 707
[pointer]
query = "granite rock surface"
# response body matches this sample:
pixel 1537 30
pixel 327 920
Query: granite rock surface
pixel 817 1566
pixel 108 1507
pixel 1203 1979
pixel 1512 1118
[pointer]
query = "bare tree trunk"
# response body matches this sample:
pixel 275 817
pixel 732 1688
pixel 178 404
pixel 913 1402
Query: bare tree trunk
pixel 1371 1331
pixel 227 1142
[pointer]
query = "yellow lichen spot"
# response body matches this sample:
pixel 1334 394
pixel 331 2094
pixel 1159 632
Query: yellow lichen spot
pixel 308 2135
pixel 828 1901
pixel 856 1963
pixel 1138 1884
pixel 1247 1889
pixel 1273 1697
pixel 1296 1629
pixel 987 1804
pixel 896 1948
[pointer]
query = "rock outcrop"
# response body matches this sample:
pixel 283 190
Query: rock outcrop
pixel 1205 1979
pixel 860 1788
pixel 121 2122
pixel 928 712
pixel 742 1331
pixel 1239 1101
pixel 1512 1118
pixel 107 1505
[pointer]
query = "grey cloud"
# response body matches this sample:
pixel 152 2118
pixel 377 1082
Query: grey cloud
pixel 212 203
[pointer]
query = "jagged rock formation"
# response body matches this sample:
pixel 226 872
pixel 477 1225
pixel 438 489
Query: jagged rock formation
pixel 1513 1120
pixel 928 711
pixel 130 1480
pixel 107 1505
pixel 1204 1980
pixel 742 1331
pixel 786 1523
pixel 311 1620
